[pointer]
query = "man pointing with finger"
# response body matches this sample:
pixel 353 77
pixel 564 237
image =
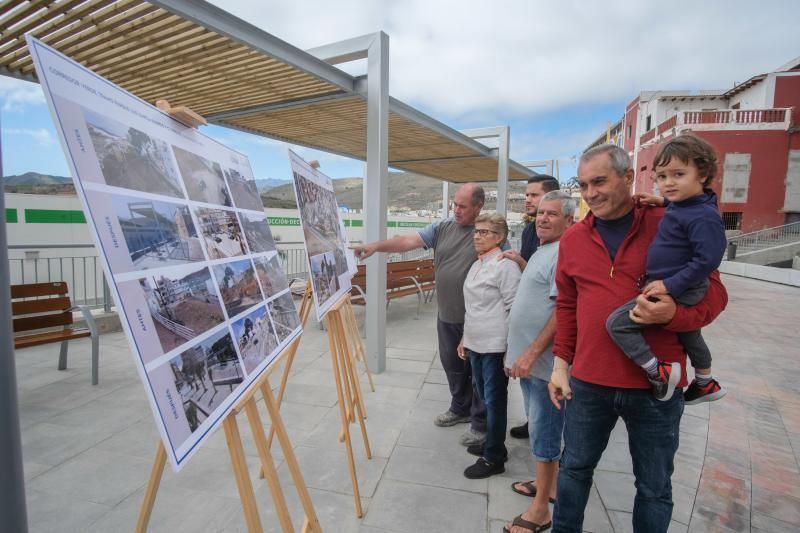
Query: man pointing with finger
pixel 599 263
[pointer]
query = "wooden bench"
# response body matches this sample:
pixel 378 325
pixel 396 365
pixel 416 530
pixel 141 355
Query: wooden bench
pixel 403 278
pixel 38 309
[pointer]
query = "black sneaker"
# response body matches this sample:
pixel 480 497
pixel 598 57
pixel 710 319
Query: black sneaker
pixel 669 374
pixel 520 432
pixel 483 469
pixel 477 451
pixel 695 394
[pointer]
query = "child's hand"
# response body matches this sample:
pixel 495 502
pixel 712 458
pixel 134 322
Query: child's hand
pixel 655 288
pixel 650 199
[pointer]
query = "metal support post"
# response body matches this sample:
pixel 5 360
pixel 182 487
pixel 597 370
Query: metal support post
pixel 445 199
pixel 502 170
pixel 12 481
pixel 376 183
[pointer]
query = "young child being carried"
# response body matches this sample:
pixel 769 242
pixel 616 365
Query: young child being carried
pixel 688 247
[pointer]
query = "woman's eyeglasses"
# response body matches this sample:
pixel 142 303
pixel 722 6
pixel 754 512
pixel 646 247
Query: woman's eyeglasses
pixel 483 232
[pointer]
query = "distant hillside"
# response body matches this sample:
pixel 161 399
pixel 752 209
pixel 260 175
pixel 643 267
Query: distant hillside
pixel 34 178
pixel 35 183
pixel 406 192
pixel 270 183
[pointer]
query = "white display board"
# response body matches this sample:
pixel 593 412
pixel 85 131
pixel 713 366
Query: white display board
pixel 185 245
pixel 330 261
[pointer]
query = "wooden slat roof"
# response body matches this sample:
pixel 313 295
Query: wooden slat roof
pixel 195 55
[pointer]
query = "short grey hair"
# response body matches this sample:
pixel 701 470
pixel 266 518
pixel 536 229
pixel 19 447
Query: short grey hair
pixel 620 160
pixel 568 204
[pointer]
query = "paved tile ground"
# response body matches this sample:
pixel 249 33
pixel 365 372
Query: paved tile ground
pixel 88 450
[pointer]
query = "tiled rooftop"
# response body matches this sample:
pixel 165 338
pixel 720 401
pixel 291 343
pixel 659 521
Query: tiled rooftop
pixel 88 450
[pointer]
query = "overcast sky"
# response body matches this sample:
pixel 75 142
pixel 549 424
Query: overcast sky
pixel 557 72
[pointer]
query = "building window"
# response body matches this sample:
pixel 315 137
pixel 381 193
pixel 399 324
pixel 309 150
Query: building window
pixel 732 221
pixel 649 124
pixel 630 132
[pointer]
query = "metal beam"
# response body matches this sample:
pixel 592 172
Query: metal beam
pixel 445 198
pixel 376 193
pixel 218 20
pixel 546 163
pixel 344 51
pixel 503 134
pixel 438 159
pixel 280 106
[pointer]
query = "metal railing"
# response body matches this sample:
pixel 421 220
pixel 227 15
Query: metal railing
pixel 766 238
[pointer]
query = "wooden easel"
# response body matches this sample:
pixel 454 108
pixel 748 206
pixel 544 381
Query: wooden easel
pixel 341 335
pixel 248 404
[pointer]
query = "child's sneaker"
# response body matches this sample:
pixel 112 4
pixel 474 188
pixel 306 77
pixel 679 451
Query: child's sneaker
pixel 695 394
pixel 669 374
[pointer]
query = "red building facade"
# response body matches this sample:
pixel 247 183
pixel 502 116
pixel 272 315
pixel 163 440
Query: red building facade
pixel 755 128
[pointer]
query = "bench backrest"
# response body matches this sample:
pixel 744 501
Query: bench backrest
pixel 40 305
pixel 421 269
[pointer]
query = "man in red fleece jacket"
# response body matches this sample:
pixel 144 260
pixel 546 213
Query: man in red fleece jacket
pixel 600 260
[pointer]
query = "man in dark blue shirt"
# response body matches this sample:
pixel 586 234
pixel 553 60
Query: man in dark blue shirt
pixel 538 186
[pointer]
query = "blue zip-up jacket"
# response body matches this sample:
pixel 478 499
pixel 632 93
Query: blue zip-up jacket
pixel 689 244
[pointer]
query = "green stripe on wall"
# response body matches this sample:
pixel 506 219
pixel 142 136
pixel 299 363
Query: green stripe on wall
pixel 11 215
pixel 54 216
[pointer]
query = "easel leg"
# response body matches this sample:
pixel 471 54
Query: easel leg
pixel 152 489
pixel 355 334
pixel 243 482
pixel 268 466
pixel 356 402
pixel 284 379
pixel 311 522
pixel 336 347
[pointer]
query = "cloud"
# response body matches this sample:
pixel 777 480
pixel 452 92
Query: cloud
pixel 518 56
pixel 40 136
pixel 17 95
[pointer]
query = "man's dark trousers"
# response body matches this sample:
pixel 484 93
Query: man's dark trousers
pixel 465 400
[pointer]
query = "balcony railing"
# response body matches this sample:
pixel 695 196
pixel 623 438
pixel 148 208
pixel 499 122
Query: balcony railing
pixel 647 136
pixel 667 124
pixel 721 119
pixel 760 116
pixel 705 117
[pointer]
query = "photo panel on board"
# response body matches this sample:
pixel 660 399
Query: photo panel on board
pixel 271 275
pixel 203 178
pixel 131 158
pixel 238 286
pixel 171 308
pixel 221 232
pixel 257 233
pixel 140 233
pixel 244 191
pixel 255 338
pixel 284 315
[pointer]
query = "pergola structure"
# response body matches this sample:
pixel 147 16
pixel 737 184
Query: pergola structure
pixel 236 75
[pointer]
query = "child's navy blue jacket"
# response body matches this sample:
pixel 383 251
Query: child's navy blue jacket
pixel 689 244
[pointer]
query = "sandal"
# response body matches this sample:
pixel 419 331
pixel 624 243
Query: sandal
pixel 531 488
pixel 530 526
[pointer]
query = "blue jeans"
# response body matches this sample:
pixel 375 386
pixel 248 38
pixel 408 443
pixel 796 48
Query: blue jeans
pixel 491 383
pixel 653 429
pixel 545 422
